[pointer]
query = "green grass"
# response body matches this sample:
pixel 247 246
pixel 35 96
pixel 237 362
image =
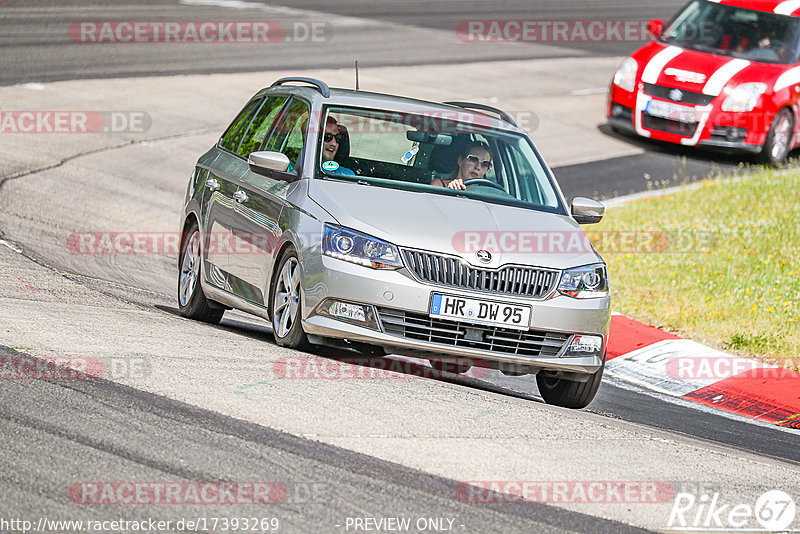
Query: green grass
pixel 719 264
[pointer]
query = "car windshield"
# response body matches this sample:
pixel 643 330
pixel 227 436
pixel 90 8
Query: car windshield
pixel 425 152
pixel 733 31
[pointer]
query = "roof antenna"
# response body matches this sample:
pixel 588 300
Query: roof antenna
pixel 356 75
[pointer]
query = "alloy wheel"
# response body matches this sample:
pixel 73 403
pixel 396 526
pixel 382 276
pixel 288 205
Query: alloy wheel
pixel 287 298
pixel 781 137
pixel 190 269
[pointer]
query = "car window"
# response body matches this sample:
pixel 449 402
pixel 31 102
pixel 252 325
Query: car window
pixel 378 145
pixel 425 152
pixel 260 125
pixel 233 135
pixel 289 135
pixel 735 31
pixel 523 182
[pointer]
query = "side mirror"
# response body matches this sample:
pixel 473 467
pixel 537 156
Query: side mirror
pixel 265 162
pixel 654 27
pixel 587 211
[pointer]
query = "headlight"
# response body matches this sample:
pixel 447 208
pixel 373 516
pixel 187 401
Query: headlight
pixel 745 97
pixel 359 248
pixel 625 77
pixel 590 281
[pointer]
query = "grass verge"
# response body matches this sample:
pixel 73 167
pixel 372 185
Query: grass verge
pixel 719 264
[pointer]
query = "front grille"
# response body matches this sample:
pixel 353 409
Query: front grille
pixel 447 271
pixel 687 97
pixel 665 125
pixel 458 334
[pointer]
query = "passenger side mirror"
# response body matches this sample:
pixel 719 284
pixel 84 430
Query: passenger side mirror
pixel 266 162
pixel 654 27
pixel 587 211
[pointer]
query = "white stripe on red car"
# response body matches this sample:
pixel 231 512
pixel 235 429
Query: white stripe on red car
pixel 788 7
pixel 787 79
pixel 723 75
pixel 657 63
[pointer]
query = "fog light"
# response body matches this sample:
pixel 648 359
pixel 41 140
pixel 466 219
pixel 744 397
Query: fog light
pixel 343 310
pixel 582 345
pixel 730 133
pixel 349 312
pixel 734 134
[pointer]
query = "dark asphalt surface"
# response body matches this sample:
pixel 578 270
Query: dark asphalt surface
pixel 124 434
pixel 36 44
pixel 662 165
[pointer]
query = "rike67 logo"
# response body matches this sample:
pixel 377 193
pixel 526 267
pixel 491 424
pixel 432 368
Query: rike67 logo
pixel 774 511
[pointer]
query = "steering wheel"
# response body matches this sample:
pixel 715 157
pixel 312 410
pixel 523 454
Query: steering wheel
pixel 484 182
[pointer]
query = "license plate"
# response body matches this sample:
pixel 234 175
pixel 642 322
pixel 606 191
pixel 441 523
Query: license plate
pixel 479 311
pixel 668 110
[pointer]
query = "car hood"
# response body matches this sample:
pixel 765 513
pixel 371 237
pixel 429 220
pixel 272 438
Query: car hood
pixel 456 225
pixel 700 72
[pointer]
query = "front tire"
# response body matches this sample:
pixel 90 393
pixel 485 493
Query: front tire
pixel 568 393
pixel 286 303
pixel 192 302
pixel 779 139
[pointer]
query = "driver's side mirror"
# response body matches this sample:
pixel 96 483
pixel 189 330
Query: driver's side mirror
pixel 655 27
pixel 587 211
pixel 265 162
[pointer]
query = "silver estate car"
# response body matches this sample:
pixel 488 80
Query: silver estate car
pixel 389 224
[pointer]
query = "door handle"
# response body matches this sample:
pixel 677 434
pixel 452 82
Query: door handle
pixel 240 196
pixel 212 184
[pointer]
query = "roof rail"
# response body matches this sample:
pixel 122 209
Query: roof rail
pixel 322 87
pixel 483 107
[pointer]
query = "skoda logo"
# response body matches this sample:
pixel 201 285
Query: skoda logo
pixel 676 95
pixel 484 256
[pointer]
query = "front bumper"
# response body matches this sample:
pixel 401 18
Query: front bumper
pixel 397 299
pixel 712 128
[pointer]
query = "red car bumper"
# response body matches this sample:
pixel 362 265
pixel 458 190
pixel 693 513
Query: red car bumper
pixel 695 120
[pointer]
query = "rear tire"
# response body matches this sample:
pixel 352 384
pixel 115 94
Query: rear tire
pixel 287 298
pixel 192 302
pixel 779 139
pixel 568 393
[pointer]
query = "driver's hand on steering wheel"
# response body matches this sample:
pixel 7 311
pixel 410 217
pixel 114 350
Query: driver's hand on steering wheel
pixel 458 183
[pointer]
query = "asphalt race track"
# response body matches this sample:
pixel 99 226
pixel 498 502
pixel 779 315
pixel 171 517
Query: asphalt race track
pixel 191 403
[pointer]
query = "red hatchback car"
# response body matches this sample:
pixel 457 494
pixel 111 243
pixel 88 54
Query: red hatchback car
pixel 721 74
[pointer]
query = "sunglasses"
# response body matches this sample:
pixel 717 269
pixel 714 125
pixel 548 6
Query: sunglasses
pixel 475 160
pixel 328 137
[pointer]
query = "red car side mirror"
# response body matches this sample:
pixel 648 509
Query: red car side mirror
pixel 654 27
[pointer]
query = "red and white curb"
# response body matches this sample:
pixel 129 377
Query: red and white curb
pixel 665 363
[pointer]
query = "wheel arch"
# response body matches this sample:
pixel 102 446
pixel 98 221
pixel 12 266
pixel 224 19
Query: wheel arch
pixel 191 218
pixel 286 246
